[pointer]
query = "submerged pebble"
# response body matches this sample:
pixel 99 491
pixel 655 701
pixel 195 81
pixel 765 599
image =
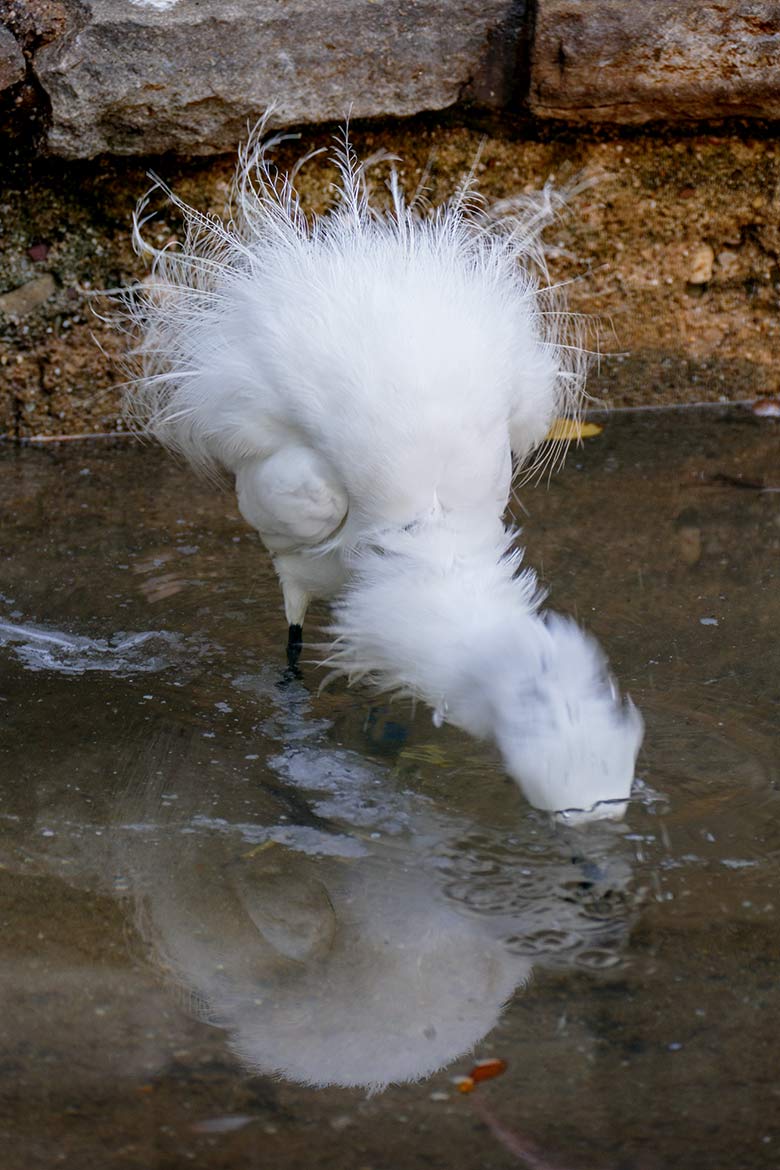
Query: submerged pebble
pixel 222 1124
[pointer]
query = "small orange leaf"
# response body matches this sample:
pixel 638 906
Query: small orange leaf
pixel 570 429
pixel 485 1070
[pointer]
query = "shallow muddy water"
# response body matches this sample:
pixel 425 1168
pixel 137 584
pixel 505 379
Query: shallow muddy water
pixel 220 888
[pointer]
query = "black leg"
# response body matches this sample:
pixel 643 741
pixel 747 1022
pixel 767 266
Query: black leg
pixel 294 645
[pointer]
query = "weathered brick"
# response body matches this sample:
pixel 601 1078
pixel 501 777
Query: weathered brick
pixel 143 76
pixel 673 60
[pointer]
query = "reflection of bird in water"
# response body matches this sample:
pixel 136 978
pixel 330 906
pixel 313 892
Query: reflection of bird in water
pixel 348 971
pixel 369 379
pixel 339 943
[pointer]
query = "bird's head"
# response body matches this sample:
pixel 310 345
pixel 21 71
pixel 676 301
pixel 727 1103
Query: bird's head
pixel 566 736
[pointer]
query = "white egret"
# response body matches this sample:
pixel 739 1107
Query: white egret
pixel 373 380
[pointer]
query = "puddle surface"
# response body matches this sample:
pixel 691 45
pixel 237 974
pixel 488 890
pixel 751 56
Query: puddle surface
pixel 233 906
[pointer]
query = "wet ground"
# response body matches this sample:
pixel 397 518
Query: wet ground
pixel 218 885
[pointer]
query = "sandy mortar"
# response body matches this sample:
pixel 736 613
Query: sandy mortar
pixel 672 251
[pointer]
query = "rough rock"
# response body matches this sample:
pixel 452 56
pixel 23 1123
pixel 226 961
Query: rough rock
pixel 21 301
pixel 702 261
pixel 145 76
pixel 674 60
pixel 12 63
pixel 36 22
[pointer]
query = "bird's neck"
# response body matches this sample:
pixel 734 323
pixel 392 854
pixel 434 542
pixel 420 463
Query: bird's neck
pixel 436 611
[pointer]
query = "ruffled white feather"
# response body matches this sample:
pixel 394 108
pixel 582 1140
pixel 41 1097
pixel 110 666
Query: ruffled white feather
pixel 374 378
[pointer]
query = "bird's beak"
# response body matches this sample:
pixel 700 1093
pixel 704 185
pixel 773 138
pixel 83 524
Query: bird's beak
pixel 602 810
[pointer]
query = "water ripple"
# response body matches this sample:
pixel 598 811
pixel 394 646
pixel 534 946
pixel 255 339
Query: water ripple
pixel 40 648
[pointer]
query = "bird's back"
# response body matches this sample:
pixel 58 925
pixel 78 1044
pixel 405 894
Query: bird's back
pixel 407 352
pixel 395 370
pixel 399 366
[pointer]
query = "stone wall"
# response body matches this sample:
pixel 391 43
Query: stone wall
pixel 147 76
pixel 674 250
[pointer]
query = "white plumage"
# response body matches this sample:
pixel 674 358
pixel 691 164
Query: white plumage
pixel 371 379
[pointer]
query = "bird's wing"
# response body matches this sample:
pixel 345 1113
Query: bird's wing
pixel 293 498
